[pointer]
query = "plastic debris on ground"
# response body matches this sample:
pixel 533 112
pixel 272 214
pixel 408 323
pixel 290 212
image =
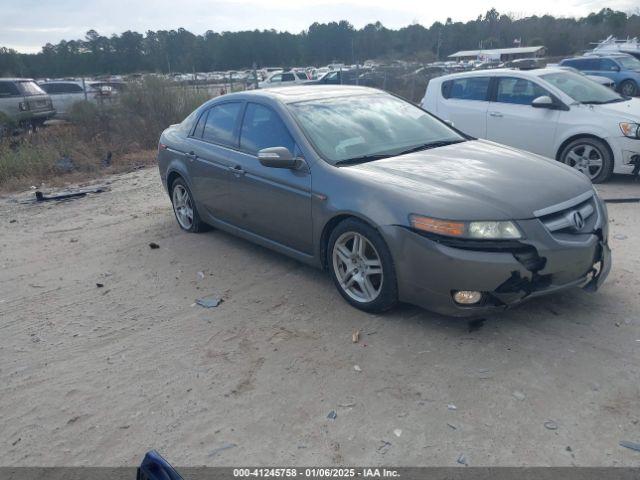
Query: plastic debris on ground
pixel 462 460
pixel 332 415
pixel 357 368
pixel 153 245
pixel 383 447
pixel 397 432
pixel 519 395
pixel 209 302
pixel 225 446
pixel 550 425
pixel 631 445
pixel 355 336
pixel 451 406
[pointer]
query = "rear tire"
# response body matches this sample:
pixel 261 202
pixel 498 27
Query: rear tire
pixel 628 88
pixel 184 207
pixel 361 266
pixel 590 156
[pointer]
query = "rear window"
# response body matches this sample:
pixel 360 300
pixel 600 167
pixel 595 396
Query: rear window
pixel 30 88
pixel 470 88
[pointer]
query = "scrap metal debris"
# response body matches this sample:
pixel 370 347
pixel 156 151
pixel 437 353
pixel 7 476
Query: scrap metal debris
pixel 209 302
pixel 41 197
pixel 332 415
pixel 462 460
pixel 153 245
pixel 632 445
pixel 99 285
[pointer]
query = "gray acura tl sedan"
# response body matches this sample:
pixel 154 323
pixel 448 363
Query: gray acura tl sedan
pixel 396 204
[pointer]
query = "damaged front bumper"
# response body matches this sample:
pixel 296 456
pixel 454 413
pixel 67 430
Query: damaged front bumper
pixel 507 273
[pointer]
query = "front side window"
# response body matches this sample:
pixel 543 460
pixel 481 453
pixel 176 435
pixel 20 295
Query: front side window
pixel 582 89
pixel 276 78
pixel 221 123
pixel 345 129
pixel 288 77
pixel 263 128
pixel 469 88
pixel 301 76
pixel 518 91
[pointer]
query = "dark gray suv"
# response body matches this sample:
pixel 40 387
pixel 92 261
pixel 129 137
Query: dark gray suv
pixel 397 205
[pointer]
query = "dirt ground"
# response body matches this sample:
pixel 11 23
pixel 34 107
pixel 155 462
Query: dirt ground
pixel 99 375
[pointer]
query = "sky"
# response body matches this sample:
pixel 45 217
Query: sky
pixel 27 25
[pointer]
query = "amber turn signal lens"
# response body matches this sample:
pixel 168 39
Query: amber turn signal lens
pixel 440 227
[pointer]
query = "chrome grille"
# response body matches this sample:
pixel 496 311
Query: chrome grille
pixel 575 216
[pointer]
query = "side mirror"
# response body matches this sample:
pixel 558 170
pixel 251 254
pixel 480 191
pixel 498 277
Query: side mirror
pixel 277 157
pixel 544 101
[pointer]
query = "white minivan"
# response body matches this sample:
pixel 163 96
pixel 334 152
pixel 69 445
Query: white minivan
pixel 552 112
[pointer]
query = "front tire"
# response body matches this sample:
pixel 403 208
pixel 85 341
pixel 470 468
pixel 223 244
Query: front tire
pixel 628 88
pixel 590 156
pixel 362 267
pixel 184 207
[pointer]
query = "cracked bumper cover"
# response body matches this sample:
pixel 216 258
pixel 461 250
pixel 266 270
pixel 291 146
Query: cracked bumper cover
pixel 428 271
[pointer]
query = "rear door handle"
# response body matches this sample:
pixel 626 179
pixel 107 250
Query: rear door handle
pixel 237 170
pixel 495 114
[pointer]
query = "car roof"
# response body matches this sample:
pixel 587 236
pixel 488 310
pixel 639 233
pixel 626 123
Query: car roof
pixel 16 79
pixel 301 93
pixel 501 72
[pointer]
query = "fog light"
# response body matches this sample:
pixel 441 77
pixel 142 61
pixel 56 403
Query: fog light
pixel 467 297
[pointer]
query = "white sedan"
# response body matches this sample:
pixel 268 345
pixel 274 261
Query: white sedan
pixel 552 112
pixel 282 79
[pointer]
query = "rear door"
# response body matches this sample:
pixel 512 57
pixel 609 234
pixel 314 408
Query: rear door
pixel 465 101
pixel 10 99
pixel 512 120
pixel 213 152
pixel 274 203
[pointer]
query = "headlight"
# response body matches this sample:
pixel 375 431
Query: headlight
pixel 631 130
pixel 501 230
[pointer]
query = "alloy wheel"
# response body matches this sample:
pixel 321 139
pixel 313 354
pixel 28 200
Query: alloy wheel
pixel 182 206
pixel 586 158
pixel 358 267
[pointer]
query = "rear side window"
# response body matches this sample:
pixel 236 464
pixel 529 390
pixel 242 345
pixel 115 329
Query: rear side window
pixel 55 88
pixel 221 122
pixel 301 76
pixel 288 77
pixel 471 88
pixel 8 89
pixel 518 91
pixel 263 128
pixel 276 78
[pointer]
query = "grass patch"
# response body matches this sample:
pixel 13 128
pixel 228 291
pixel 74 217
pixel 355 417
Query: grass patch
pixel 100 139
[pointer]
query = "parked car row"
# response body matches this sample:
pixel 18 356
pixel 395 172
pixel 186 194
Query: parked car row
pixel 553 112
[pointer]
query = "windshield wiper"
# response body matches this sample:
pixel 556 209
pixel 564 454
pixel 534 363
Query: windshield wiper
pixel 427 146
pixel 600 102
pixel 363 159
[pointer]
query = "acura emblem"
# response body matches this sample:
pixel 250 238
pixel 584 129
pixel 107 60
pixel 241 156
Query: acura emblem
pixel 578 221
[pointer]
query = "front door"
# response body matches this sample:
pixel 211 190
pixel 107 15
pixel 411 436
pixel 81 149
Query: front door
pixel 512 120
pixel 274 203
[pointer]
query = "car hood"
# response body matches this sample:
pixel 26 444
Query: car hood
pixel 473 180
pixel 629 109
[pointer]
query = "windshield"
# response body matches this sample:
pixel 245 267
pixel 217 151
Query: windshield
pixel 30 88
pixel 629 63
pixel 581 88
pixel 347 128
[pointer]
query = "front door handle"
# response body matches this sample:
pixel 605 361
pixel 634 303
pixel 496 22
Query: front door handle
pixel 191 156
pixel 495 114
pixel 237 170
